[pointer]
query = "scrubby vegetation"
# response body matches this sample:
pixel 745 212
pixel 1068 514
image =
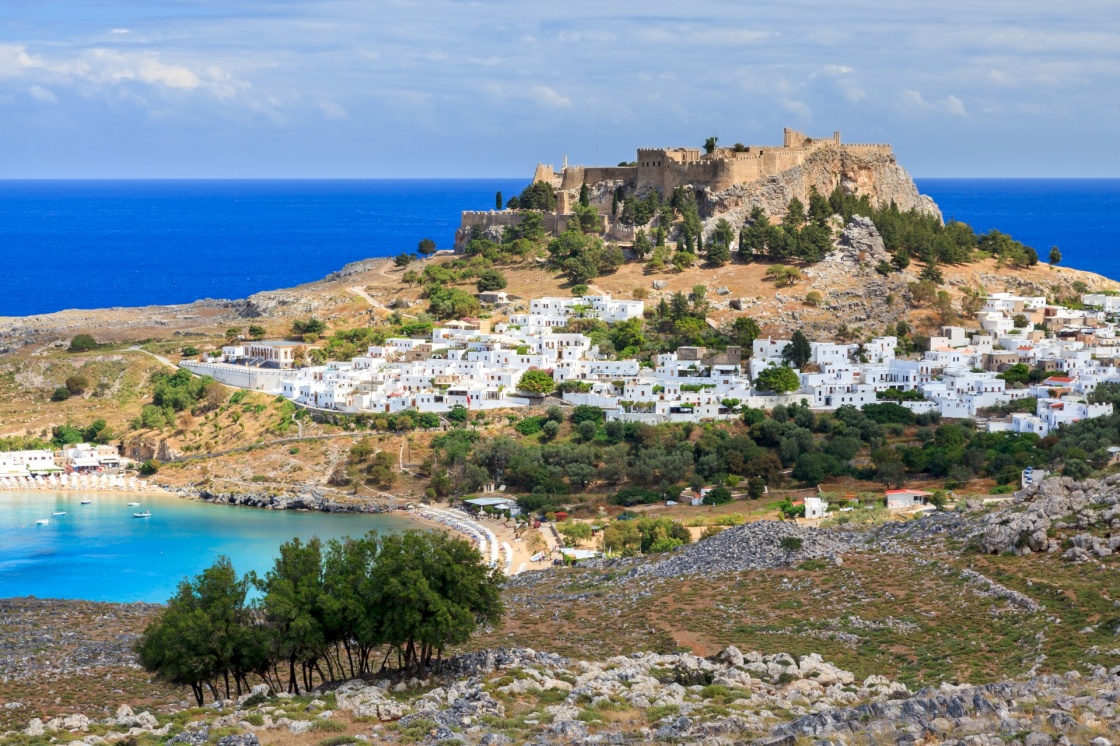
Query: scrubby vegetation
pixel 552 466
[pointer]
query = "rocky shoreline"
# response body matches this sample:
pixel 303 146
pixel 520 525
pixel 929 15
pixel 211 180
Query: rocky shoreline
pixel 310 500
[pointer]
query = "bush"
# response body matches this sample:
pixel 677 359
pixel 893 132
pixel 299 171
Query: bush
pixel 328 726
pixel 587 413
pixel 491 279
pixel 149 467
pixel 60 394
pixel 718 496
pixel 536 381
pixel 530 425
pixel 83 343
pixel 77 384
pixel 190 351
pixel 635 496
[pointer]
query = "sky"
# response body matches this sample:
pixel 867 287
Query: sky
pixel 485 88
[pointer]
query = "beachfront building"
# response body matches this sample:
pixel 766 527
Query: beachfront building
pixel 27 463
pixel 90 457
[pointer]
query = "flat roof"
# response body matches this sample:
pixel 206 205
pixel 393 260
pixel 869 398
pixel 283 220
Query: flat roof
pixel 487 501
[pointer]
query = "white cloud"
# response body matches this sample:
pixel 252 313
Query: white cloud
pixel 915 102
pixel 954 105
pixel 108 68
pixel 332 111
pixel 549 97
pixel 39 93
pixel 120 31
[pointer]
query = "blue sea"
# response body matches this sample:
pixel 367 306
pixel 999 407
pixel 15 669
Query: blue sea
pixel 99 552
pixel 94 244
pixel 99 244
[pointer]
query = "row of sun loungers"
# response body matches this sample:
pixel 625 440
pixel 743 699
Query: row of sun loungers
pixel 79 482
pixel 484 537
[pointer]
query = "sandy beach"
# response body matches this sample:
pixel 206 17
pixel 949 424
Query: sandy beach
pixel 522 545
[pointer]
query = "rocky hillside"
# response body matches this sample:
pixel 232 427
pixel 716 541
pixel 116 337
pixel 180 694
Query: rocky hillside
pixel 507 696
pixel 877 175
pixel 947 629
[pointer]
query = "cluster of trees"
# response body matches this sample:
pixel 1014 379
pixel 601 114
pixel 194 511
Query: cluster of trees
pixel 583 256
pixel 367 463
pixel 450 303
pixel 801 235
pixel 325 612
pixel 644 536
pixel 307 330
pixel 177 392
pixel 97 431
pixel 648 463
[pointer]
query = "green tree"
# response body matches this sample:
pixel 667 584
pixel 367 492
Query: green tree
pixel 77 384
pixel 584 196
pixel 491 279
pixel 205 635
pixel 779 379
pixel 538 196
pixel 1055 256
pixel 451 303
pixel 257 332
pixel 537 382
pixel 795 215
pixel 292 597
pixel 717 496
pixel 427 246
pixel 498 200
pixel 433 591
pixel 719 245
pixel 744 331
pixel 403 259
pixel 642 245
pixel 83 343
pixel 710 145
pixel 799 351
pixel 60 394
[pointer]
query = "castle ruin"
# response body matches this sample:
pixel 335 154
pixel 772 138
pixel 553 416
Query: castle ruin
pixel 727 181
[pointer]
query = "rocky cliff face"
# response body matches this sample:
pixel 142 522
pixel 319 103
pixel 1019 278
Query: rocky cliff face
pixel 877 175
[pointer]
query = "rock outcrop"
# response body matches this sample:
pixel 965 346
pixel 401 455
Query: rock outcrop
pixel 875 174
pixel 1058 503
pixel 732 697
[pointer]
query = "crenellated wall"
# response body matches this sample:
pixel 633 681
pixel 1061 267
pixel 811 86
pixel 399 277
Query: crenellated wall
pixel 731 177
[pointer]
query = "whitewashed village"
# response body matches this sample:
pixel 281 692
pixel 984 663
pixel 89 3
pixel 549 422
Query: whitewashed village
pixel 475 365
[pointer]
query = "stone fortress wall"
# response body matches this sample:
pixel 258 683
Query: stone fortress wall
pixel 731 178
pixel 668 168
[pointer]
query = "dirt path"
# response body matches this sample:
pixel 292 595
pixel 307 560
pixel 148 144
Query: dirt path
pixel 160 358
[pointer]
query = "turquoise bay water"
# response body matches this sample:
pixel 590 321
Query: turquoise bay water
pixel 99 552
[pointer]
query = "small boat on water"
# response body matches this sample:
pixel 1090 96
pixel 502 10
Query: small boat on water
pixel 134 505
pixel 42 522
pixel 86 502
pixel 145 514
pixel 59 512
